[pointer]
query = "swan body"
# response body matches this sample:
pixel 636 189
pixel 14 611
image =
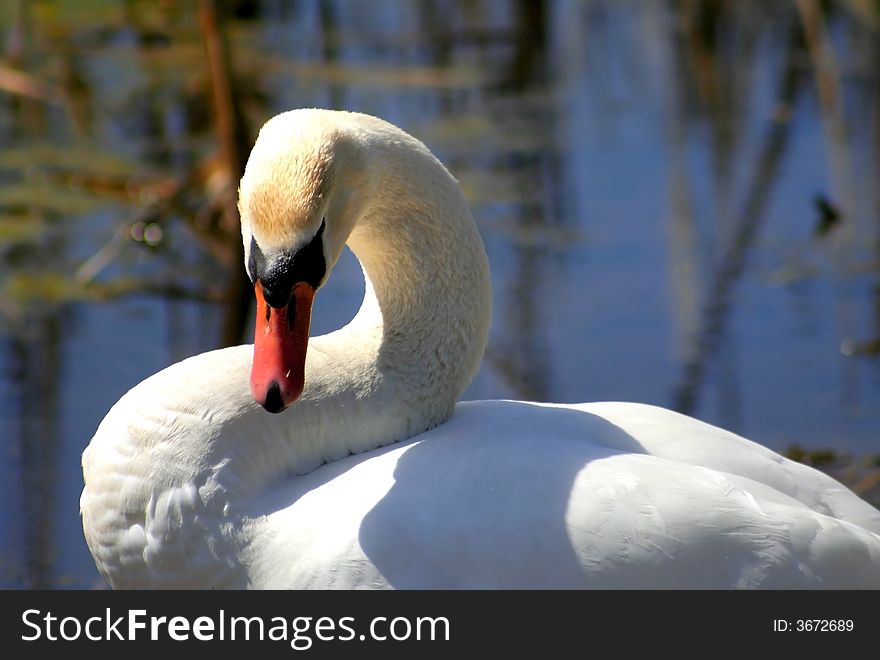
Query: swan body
pixel 373 476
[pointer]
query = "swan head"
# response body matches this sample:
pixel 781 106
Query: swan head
pixel 294 224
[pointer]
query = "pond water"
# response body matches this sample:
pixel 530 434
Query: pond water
pixel 679 202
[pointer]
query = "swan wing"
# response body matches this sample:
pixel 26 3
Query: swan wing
pixel 520 495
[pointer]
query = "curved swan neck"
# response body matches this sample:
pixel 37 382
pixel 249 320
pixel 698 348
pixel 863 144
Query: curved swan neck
pixel 383 193
pixel 427 272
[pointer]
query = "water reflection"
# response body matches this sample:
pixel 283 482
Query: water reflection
pixel 678 200
pixel 738 238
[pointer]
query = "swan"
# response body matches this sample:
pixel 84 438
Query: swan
pixel 370 475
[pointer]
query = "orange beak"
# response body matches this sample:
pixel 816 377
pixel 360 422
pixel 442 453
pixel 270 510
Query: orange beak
pixel 280 342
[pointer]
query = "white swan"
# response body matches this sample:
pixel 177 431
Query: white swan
pixel 190 483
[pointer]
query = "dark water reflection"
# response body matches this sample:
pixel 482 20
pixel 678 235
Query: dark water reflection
pixel 679 201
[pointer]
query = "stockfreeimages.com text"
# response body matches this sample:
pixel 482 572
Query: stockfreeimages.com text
pixel 301 632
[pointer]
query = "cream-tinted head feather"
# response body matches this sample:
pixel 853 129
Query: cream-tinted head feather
pixel 286 180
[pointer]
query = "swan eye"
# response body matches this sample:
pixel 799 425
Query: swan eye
pixel 279 271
